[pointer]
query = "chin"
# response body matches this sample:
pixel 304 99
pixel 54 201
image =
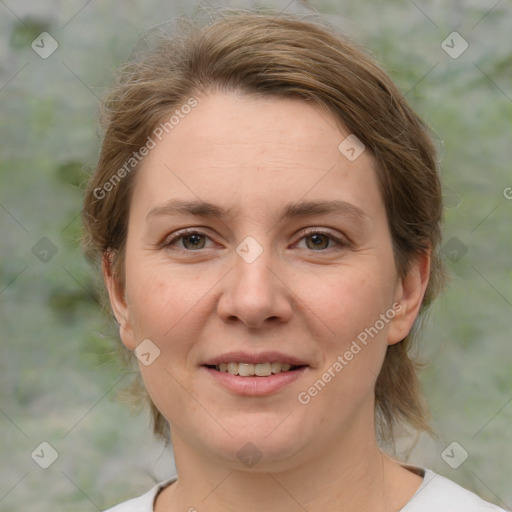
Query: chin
pixel 260 447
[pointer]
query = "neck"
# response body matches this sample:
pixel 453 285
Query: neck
pixel 350 475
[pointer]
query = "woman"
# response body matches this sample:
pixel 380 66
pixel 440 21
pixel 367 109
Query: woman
pixel 267 208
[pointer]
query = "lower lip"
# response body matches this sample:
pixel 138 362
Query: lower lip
pixel 255 386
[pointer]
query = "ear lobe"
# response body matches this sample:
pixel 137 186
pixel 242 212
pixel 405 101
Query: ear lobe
pixel 117 301
pixel 410 291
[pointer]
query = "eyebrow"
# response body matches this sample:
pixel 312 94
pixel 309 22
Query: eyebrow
pixel 205 209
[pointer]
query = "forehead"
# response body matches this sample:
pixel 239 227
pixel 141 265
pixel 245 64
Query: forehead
pixel 260 151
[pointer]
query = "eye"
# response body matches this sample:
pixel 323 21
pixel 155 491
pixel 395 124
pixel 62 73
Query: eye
pixel 318 240
pixel 191 240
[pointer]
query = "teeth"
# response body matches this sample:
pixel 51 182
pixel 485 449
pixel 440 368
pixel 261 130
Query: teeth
pixel 233 368
pixel 249 369
pixel 276 367
pixel 245 369
pixel 262 369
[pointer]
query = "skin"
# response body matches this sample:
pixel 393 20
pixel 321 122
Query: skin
pixel 303 298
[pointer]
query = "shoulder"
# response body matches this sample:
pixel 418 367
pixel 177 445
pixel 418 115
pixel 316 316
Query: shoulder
pixel 439 494
pixel 143 503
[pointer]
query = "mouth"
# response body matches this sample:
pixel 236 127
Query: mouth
pixel 257 378
pixel 251 374
pixel 265 369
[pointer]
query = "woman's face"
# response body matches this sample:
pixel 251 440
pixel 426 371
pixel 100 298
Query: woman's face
pixel 290 261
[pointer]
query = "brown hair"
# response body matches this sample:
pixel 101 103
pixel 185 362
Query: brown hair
pixel 281 56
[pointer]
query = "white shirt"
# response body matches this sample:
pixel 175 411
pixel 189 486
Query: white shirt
pixel 436 494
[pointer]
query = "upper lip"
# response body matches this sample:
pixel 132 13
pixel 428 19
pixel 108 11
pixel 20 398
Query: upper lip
pixel 262 357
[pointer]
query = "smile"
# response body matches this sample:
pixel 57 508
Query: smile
pixel 246 382
pixel 250 369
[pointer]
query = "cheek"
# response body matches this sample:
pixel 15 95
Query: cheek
pixel 348 300
pixel 352 335
pixel 352 340
pixel 170 306
pixel 159 297
pixel 161 305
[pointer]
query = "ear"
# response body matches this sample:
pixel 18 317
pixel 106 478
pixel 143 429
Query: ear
pixel 409 293
pixel 118 302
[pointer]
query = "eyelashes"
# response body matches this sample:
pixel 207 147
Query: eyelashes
pixel 196 239
pixel 338 243
pixel 186 234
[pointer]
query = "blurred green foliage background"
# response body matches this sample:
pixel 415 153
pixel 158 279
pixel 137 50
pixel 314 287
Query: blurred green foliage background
pixel 59 372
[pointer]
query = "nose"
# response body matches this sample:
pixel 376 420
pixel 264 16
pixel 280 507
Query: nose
pixel 255 293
